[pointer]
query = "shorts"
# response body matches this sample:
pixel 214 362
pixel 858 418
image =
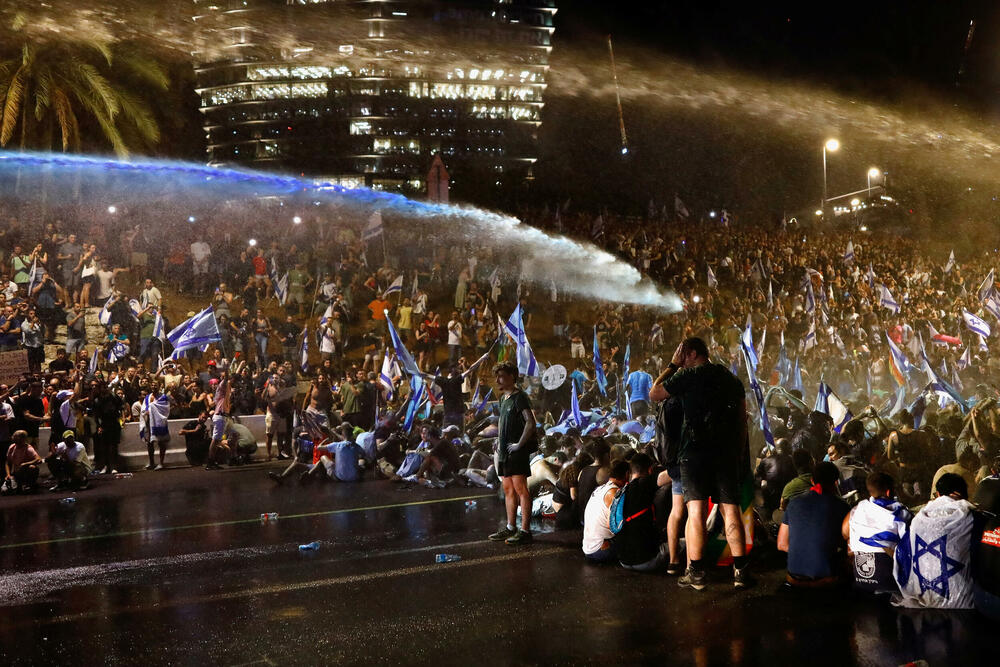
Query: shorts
pixel 275 424
pixel 639 408
pixel 219 427
pixel 199 268
pixel 716 478
pixel 676 487
pixel 516 463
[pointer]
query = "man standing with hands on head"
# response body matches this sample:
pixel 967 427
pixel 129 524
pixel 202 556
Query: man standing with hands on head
pixel 515 444
pixel 712 435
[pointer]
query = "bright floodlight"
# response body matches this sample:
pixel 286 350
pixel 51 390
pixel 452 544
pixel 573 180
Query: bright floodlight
pixel 696 298
pixel 624 150
pixel 112 209
pixel 874 172
pixel 863 228
pixel 191 218
pixel 819 211
pixel 832 145
pixel 711 214
pixel 296 220
pixel 855 201
pixel 252 242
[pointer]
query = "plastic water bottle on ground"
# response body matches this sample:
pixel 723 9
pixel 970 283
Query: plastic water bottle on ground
pixel 470 505
pixel 67 501
pixel 312 546
pixel 267 517
pixel 447 558
pixel 123 475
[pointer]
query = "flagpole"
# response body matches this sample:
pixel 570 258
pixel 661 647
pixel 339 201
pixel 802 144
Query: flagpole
pixel 312 311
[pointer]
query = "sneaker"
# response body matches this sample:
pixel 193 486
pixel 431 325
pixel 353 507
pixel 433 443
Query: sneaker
pixel 213 466
pixel 521 537
pixel 276 477
pixel 150 466
pixel 159 466
pixel 502 535
pixel 673 569
pixel 57 488
pixel 112 472
pixel 692 579
pixel 742 578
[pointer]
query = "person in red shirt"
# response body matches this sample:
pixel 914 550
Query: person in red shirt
pixel 378 306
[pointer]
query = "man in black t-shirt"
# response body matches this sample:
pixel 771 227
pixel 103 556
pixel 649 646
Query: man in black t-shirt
pixel 29 412
pixel 196 439
pixel 451 396
pixel 638 542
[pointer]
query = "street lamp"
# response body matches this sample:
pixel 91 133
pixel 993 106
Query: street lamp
pixel 831 145
pixel 874 172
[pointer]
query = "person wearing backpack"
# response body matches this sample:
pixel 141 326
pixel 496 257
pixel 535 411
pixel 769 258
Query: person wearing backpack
pixel 598 544
pixel 712 435
pixel 637 540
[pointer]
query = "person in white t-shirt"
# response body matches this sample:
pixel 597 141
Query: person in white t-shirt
pixel 200 254
pixel 454 338
pixel 69 463
pixel 597 545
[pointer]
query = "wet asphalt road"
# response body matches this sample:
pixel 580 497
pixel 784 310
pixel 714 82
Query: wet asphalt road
pixel 176 568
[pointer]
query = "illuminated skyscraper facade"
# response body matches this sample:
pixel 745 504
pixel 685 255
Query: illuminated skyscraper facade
pixel 365 92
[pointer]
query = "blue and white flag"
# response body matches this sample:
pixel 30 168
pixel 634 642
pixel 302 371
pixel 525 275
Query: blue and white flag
pixel 849 253
pixel 833 406
pixel 395 286
pixel 951 262
pixel 810 306
pixel 796 379
pixel 916 408
pixel 390 369
pixel 417 394
pixel 992 304
pixel 482 404
pixel 886 300
pixel 871 278
pixel 746 340
pixel 514 328
pixel 402 354
pixel 712 281
pixel 988 286
pixel 939 384
pixel 118 351
pixel 373 229
pixel 983 347
pixel 765 421
pixel 158 331
pixel 602 382
pixel 975 324
pixel 197 331
pixel 965 360
pixel 93 361
pixel 104 316
pixel 34 277
pixel 821 395
pixel 304 357
pixel 810 340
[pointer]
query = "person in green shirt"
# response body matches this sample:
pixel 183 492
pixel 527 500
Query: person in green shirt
pixel 515 443
pixel 298 280
pixel 350 395
pixel 804 464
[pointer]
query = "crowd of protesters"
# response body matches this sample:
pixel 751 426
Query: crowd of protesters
pixel 630 448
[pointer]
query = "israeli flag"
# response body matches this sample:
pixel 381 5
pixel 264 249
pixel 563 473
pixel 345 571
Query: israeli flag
pixel 712 282
pixel 482 403
pixel 765 421
pixel 833 406
pixel 386 374
pixel 280 287
pixel 104 316
pixel 417 393
pixel 983 347
pixel 117 352
pixel 374 228
pixel 158 327
pixel 395 286
pixel 810 340
pixel 810 306
pixel 886 300
pixel 975 324
pixel 747 341
pixel 92 369
pixel 951 262
pixel 304 360
pixel 327 314
pixel 33 277
pixel 514 328
pixel 965 360
pixel 871 278
pixel 402 354
pixel 849 253
pixel 988 286
pixel 992 304
pixel 197 331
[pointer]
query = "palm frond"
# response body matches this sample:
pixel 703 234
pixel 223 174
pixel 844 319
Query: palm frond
pixel 13 99
pixel 43 93
pixel 88 76
pixel 146 70
pixel 137 113
pixel 68 124
pixel 95 104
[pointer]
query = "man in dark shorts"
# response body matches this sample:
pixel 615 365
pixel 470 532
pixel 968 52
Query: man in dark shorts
pixel 712 434
pixel 515 444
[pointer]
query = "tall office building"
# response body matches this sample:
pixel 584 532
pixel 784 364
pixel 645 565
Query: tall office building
pixel 366 92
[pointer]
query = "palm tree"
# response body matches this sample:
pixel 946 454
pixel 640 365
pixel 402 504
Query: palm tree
pixel 50 85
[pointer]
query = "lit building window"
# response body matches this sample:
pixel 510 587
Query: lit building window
pixel 361 127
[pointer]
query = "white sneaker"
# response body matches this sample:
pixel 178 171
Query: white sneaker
pixel 159 467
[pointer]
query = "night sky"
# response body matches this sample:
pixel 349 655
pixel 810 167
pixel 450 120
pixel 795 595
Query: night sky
pixel 900 55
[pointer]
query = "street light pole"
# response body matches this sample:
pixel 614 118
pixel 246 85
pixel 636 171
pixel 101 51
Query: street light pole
pixel 831 145
pixel 876 172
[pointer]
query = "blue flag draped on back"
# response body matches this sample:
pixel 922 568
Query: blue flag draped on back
pixel 402 354
pixel 201 329
pixel 758 394
pixel 602 382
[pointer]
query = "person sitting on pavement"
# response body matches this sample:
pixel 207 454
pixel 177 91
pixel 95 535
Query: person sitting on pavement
pixel 986 557
pixel 242 443
pixel 804 464
pixel 196 439
pixel 637 544
pixel 810 532
pixel 21 466
pixel 339 458
pixel 932 561
pixel 872 530
pixel 598 545
pixel 69 464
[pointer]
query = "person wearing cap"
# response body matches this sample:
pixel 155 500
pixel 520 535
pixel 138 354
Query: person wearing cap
pixel 69 463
